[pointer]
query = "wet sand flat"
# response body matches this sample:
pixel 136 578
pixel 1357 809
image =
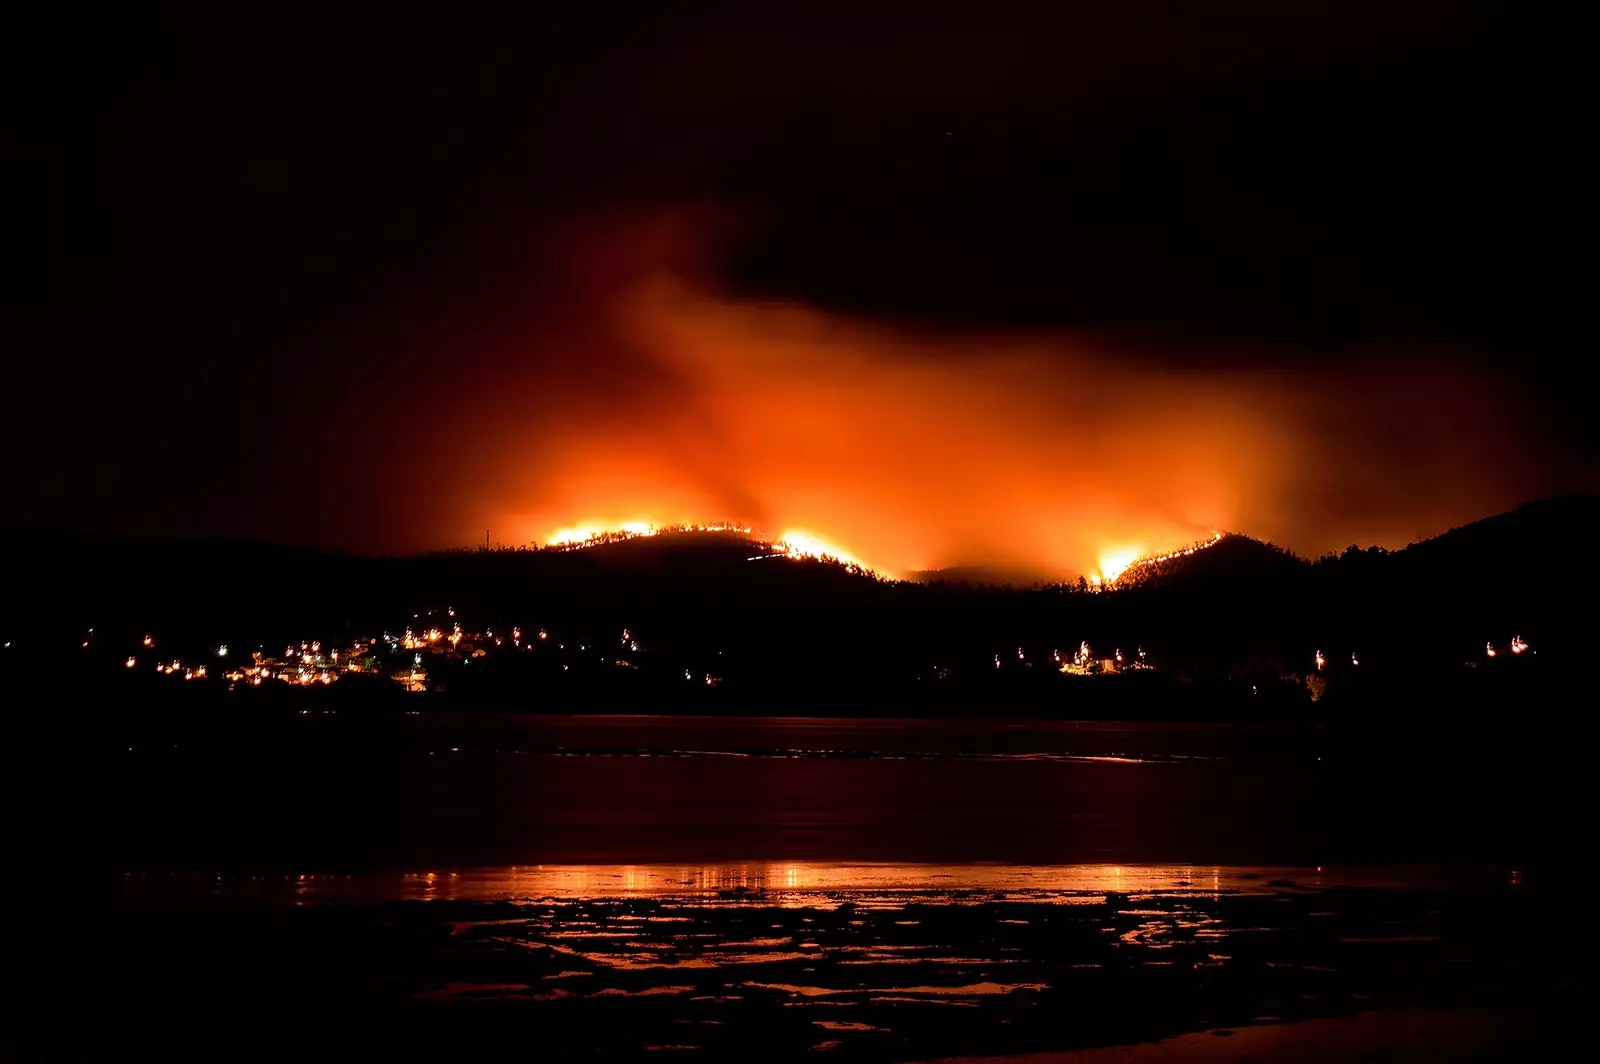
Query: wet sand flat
pixel 860 962
pixel 1374 1037
pixel 780 889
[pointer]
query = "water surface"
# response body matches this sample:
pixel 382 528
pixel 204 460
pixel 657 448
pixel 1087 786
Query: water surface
pixel 321 793
pixel 773 888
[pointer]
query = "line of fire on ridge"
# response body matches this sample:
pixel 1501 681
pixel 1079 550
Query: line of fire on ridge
pixel 1121 567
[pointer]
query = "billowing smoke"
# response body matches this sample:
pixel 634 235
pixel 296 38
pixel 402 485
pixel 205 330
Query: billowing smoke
pixel 659 396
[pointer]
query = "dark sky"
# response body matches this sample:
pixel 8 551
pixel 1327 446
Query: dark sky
pixel 354 279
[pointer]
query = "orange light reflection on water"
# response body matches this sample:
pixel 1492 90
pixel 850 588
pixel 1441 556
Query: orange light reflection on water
pixel 757 879
pixel 799 883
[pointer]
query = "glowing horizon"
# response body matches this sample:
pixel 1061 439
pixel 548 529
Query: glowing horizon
pixel 1053 453
pixel 796 543
pixel 1114 563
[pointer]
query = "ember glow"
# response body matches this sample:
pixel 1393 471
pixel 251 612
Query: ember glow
pixel 1113 563
pixel 594 532
pixel 1126 566
pixel 585 533
pixel 1054 454
pixel 794 543
pixel 807 545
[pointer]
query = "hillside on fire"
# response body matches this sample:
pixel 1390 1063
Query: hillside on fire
pixel 718 618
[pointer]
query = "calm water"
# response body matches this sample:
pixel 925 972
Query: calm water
pixel 772 888
pixel 320 794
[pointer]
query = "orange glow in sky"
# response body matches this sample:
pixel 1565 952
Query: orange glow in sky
pixel 910 449
pixel 806 545
pixel 1114 562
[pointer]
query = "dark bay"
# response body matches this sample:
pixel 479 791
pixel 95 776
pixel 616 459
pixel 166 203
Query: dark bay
pixel 315 792
pixel 781 887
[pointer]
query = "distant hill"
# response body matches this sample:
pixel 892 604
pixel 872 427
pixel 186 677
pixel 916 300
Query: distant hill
pixel 1534 569
pixel 982 576
pixel 728 602
pixel 1534 541
pixel 1232 562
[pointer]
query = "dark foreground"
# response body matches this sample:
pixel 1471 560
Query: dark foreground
pixel 771 889
pixel 752 963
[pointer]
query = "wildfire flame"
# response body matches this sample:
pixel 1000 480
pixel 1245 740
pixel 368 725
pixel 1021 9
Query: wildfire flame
pixel 579 535
pixel 1128 563
pixel 795 543
pixel 1115 564
pixel 592 532
pixel 800 544
pixel 1082 659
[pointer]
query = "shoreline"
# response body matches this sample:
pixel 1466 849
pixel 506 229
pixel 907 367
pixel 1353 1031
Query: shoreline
pixel 1372 1036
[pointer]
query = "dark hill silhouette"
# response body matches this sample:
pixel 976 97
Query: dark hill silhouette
pixel 1233 563
pixel 1532 571
pixel 983 576
pixel 1565 524
pixel 1239 612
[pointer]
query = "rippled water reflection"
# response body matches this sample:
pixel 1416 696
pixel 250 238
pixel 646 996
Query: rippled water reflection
pixel 804 883
pixel 762 889
pixel 421 794
pixel 749 961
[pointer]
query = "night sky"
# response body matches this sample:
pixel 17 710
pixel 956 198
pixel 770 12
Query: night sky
pixel 986 283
